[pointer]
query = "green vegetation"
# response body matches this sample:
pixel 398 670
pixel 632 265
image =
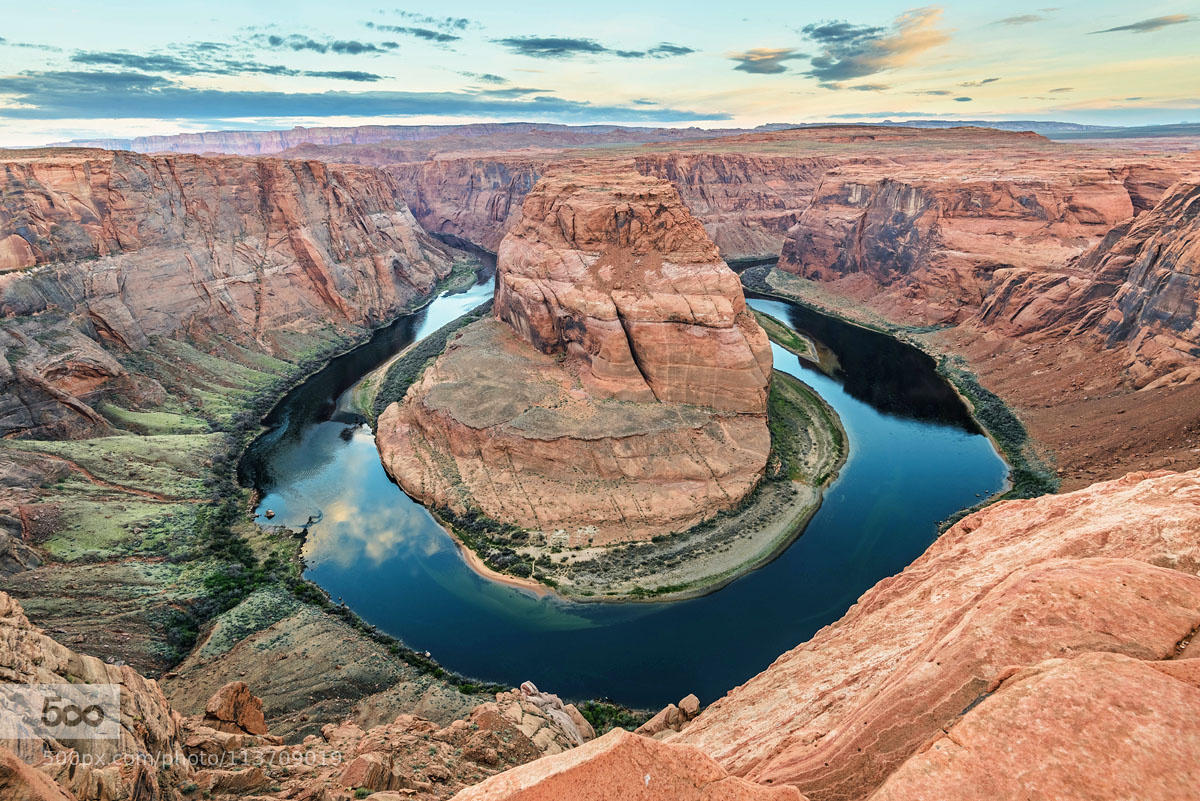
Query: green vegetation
pixel 605 715
pixel 1030 476
pixel 794 415
pixel 404 371
pixel 155 422
pixel 785 337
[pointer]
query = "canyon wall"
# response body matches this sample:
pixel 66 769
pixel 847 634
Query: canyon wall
pixel 746 202
pixel 509 134
pixel 926 242
pixel 103 253
pixel 621 391
pixel 474 199
pixel 1138 290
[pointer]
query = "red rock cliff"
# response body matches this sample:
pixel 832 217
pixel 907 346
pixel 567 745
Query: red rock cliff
pixel 1138 290
pixel 616 274
pixel 125 247
pixel 1012 657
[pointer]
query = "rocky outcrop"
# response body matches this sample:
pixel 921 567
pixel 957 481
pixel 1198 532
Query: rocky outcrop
pixel 1108 570
pixel 932 238
pixel 625 397
pixel 107 251
pixel 227 753
pixel 1138 290
pixel 614 273
pixel 92 769
pixel 233 709
pixel 626 766
pixel 672 717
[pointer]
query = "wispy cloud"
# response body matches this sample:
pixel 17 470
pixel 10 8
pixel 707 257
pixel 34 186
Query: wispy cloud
pixel 857 51
pixel 766 60
pixel 983 82
pixel 1020 19
pixel 429 34
pixel 1148 25
pixel 485 77
pixel 345 47
pixel 207 59
pixel 441 23
pixel 569 47
pixel 870 87
pixel 105 95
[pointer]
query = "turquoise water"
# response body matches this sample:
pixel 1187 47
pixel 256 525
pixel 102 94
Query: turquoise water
pixel 915 458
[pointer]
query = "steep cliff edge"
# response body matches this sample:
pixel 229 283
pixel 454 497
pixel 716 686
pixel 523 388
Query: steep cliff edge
pixel 620 393
pixel 152 310
pixel 1100 582
pixel 106 251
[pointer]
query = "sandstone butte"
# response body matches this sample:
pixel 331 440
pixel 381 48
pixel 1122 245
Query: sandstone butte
pixel 620 391
pixel 1039 648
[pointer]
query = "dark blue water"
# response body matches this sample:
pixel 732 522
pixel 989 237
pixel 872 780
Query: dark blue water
pixel 915 458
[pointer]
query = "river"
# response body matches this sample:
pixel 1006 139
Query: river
pixel 916 457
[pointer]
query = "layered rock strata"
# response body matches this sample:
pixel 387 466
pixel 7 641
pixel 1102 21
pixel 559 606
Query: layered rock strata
pixel 621 391
pixel 101 253
pixel 1138 290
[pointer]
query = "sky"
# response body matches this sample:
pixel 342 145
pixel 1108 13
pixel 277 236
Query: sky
pixel 120 69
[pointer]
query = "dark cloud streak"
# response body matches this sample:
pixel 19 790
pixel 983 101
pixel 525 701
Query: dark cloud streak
pixel 766 60
pixel 569 47
pixel 199 61
pixel 421 33
pixel 103 95
pixel 1148 25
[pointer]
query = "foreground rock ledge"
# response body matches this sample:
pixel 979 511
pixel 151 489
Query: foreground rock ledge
pixel 620 394
pixel 1098 578
pixel 624 766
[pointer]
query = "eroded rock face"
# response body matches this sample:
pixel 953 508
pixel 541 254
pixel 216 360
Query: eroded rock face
pixel 616 274
pixel 110 250
pixel 1087 707
pixel 234 709
pixel 622 396
pixel 1110 570
pixel 1139 290
pixel 91 769
pixel 933 238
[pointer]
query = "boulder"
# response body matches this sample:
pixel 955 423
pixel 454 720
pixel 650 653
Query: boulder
pixel 234 709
